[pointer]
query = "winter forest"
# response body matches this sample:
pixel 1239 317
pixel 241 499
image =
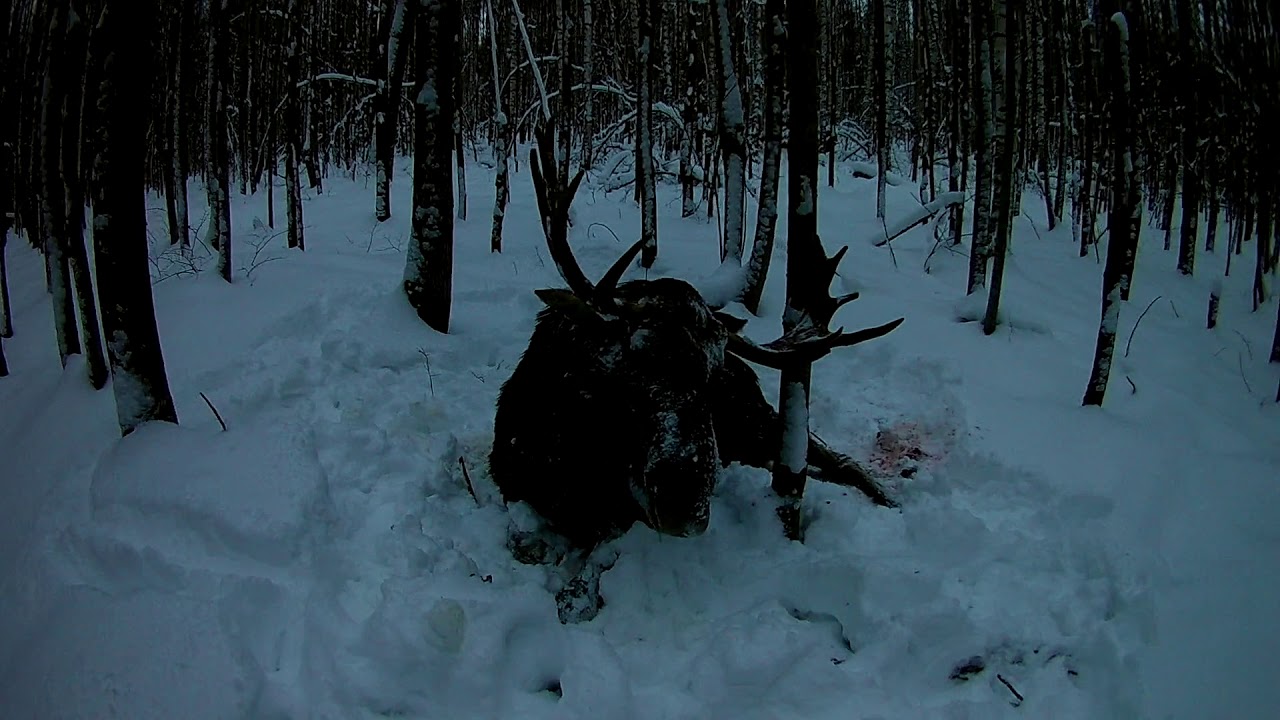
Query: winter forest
pixel 639 358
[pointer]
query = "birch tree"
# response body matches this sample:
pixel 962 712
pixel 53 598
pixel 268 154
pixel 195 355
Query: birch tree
pixel 501 132
pixel 400 22
pixel 293 130
pixel 218 160
pixel 732 131
pixel 775 75
pixel 428 274
pixel 646 179
pixel 1123 196
pixel 1007 42
pixel 805 258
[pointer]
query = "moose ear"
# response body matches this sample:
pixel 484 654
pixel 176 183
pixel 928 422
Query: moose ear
pixel 732 324
pixel 567 303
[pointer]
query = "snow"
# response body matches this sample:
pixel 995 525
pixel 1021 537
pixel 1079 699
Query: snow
pixel 323 557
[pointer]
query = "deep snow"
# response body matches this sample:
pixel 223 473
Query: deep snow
pixel 323 558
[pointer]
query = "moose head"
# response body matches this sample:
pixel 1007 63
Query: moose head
pixel 630 395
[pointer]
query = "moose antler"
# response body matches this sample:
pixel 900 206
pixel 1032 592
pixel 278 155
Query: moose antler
pixel 554 200
pixel 810 339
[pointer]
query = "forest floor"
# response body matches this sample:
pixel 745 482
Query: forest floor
pixel 324 558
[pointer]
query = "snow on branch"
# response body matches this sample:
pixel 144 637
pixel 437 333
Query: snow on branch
pixel 919 216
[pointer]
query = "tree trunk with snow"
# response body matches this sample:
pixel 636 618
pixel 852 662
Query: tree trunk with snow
pixel 501 131
pixel 984 129
pixel 386 117
pixel 1263 246
pixel 218 170
pixel 73 78
pixel 775 75
pixel 694 75
pixel 139 382
pixel 1121 213
pixel 647 15
pixel 460 169
pixel 588 77
pixel 52 191
pixel 293 131
pixel 882 78
pixel 1007 162
pixel 428 274
pixel 732 131
pixel 805 257
pixel 179 215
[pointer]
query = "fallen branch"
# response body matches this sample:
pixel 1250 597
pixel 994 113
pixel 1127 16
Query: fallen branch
pixel 1136 324
pixel 467 476
pixel 827 465
pixel 919 217
pixel 216 414
pixel 1012 689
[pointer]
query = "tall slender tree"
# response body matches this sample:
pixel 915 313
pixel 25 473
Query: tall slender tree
pixel 428 274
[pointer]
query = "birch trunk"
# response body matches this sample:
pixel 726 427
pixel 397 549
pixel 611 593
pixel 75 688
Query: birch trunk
pixel 500 136
pixel 52 191
pixel 980 245
pixel 646 19
pixel 1005 178
pixel 73 78
pixel 804 258
pixel 1121 214
pixel 293 132
pixel 773 40
pixel 732 133
pixel 428 275
pixel 386 118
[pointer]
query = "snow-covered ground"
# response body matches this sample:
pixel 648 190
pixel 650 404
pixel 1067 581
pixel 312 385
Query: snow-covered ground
pixel 323 558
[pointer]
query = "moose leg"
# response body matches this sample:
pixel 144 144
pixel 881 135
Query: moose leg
pixel 747 432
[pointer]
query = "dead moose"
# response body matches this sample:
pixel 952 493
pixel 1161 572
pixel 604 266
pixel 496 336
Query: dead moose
pixel 631 396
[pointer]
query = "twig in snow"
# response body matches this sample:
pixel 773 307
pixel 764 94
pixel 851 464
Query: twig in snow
pixel 606 227
pixel 1175 309
pixel 1136 324
pixel 1247 345
pixel 467 476
pixel 1012 689
pixel 216 414
pixel 1135 387
pixel 430 376
pixel 1242 377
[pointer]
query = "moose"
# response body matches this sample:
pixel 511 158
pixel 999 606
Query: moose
pixel 631 396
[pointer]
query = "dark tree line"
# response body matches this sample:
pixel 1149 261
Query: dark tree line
pixel 1103 116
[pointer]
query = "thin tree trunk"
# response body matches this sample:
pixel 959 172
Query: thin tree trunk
pixel 140 384
pixel 882 78
pixel 1121 213
pixel 775 75
pixel 733 146
pixel 980 244
pixel 501 131
pixel 399 35
pixel 647 18
pixel 219 160
pixel 293 131
pixel 428 275
pixel 588 77
pixel 74 77
pixel 53 194
pixel 804 258
pixel 1005 177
